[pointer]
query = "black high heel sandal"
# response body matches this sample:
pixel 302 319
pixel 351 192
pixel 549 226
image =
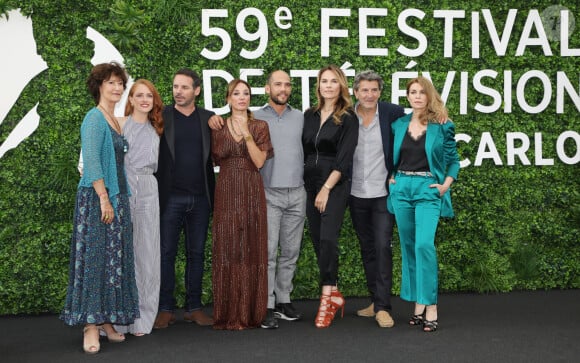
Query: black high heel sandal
pixel 417 319
pixel 430 326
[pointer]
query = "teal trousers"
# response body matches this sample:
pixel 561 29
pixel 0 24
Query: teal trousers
pixel 417 209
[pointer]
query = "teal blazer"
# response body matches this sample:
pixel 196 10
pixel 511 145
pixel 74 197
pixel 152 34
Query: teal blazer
pixel 441 150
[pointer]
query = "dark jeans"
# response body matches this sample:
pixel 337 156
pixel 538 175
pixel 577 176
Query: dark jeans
pixel 325 230
pixel 190 213
pixel 373 225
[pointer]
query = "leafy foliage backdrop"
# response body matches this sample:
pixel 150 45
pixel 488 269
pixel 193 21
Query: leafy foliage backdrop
pixel 516 227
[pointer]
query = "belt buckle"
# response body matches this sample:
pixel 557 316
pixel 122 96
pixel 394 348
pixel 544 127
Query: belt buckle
pixel 416 173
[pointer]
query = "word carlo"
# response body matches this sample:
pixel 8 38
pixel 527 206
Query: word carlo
pixel 517 149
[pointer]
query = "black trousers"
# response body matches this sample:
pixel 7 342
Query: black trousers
pixel 373 225
pixel 325 229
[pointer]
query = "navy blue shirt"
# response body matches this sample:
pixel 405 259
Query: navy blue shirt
pixel 188 172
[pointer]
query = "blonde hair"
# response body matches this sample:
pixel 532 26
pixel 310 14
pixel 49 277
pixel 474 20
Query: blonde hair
pixel 435 107
pixel 343 103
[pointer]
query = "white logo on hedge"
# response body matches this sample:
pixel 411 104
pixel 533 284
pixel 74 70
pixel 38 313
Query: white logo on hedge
pixel 18 70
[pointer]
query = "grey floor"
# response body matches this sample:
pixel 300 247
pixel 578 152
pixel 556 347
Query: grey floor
pixel 534 326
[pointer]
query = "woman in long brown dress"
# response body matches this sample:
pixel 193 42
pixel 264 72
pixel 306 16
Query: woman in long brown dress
pixel 240 232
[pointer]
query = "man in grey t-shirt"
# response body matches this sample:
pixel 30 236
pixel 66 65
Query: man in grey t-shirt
pixel 285 195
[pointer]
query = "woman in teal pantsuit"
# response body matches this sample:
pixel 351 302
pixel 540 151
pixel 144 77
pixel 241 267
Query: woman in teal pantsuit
pixel 426 163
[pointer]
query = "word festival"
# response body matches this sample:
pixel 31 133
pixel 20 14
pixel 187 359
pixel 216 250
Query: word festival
pixel 554 23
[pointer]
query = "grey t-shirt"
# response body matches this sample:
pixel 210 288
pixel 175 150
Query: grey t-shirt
pixel 286 168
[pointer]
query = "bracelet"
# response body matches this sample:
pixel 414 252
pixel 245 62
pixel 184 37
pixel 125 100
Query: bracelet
pixel 248 138
pixel 103 194
pixel 326 186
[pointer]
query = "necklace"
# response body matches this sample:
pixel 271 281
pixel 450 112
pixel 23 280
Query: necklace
pixel 116 125
pixel 233 128
pixel 117 128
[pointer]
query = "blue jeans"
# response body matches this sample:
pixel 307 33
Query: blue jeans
pixel 190 213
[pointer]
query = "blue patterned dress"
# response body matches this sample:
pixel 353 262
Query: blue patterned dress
pixel 102 285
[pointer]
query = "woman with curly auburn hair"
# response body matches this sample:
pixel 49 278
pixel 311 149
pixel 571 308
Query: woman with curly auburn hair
pixel 329 139
pixel 426 164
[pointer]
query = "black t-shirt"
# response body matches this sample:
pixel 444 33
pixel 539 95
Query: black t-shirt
pixel 188 173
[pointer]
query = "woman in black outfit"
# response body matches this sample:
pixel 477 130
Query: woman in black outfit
pixel 329 138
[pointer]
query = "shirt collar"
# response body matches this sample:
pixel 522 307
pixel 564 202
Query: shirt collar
pixel 358 116
pixel 269 107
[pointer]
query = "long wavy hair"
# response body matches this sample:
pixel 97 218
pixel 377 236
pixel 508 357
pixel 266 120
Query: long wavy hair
pixel 231 86
pixel 435 107
pixel 155 115
pixel 343 103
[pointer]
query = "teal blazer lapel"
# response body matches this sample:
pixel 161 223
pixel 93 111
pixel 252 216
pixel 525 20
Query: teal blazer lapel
pixel 430 140
pixel 400 129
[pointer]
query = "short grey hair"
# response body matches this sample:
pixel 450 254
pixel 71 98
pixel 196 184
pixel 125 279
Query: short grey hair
pixel 367 76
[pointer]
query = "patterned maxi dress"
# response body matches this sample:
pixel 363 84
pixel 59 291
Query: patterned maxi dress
pixel 102 275
pixel 140 164
pixel 240 232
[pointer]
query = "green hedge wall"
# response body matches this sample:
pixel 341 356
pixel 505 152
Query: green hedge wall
pixel 516 227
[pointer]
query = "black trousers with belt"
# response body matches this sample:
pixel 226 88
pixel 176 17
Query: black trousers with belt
pixel 373 225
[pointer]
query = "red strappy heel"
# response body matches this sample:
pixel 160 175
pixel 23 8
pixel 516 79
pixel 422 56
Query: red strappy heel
pixel 328 308
pixel 336 306
pixel 325 312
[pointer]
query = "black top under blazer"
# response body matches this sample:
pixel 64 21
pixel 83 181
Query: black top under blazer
pixel 166 164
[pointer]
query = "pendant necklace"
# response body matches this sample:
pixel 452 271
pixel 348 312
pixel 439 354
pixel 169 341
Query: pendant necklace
pixel 116 125
pixel 117 128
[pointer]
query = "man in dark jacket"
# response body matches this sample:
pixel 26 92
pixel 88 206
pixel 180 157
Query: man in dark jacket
pixel 186 186
pixel 372 164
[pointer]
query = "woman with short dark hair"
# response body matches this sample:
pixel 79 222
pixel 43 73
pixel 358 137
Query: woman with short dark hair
pixel 102 289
